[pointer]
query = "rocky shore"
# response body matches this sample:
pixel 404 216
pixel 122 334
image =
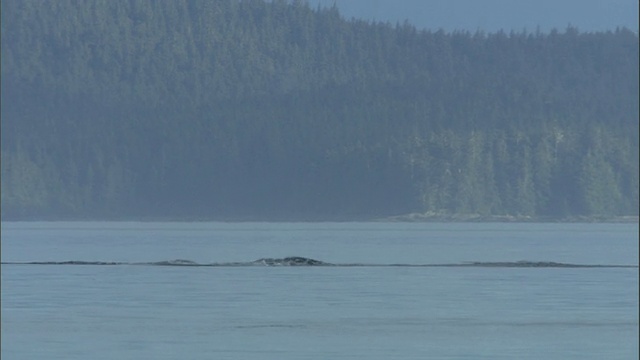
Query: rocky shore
pixel 438 217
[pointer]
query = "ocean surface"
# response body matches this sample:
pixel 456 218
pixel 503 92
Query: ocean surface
pixel 141 290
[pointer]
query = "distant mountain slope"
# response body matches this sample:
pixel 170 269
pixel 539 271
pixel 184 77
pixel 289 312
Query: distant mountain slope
pixel 276 111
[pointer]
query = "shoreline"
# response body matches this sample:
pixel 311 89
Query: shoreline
pixel 473 218
pixel 405 218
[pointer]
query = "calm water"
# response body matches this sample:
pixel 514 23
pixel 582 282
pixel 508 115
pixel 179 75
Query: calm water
pixel 159 312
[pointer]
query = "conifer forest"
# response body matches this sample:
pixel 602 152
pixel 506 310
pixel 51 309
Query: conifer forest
pixel 278 110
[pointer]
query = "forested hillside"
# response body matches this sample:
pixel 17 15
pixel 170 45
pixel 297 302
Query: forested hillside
pixel 278 111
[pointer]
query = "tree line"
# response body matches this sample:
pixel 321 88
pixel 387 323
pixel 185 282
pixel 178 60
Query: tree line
pixel 273 110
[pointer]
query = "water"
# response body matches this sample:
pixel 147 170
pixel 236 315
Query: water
pixel 319 312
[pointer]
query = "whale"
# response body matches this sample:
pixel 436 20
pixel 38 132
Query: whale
pixel 290 261
pixel 304 261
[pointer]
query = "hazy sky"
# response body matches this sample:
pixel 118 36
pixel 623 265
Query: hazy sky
pixel 493 15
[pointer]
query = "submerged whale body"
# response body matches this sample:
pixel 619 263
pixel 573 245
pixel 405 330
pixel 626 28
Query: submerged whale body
pixel 177 262
pixel 290 261
pixel 303 261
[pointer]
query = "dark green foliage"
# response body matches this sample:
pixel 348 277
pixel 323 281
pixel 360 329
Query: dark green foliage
pixel 273 110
